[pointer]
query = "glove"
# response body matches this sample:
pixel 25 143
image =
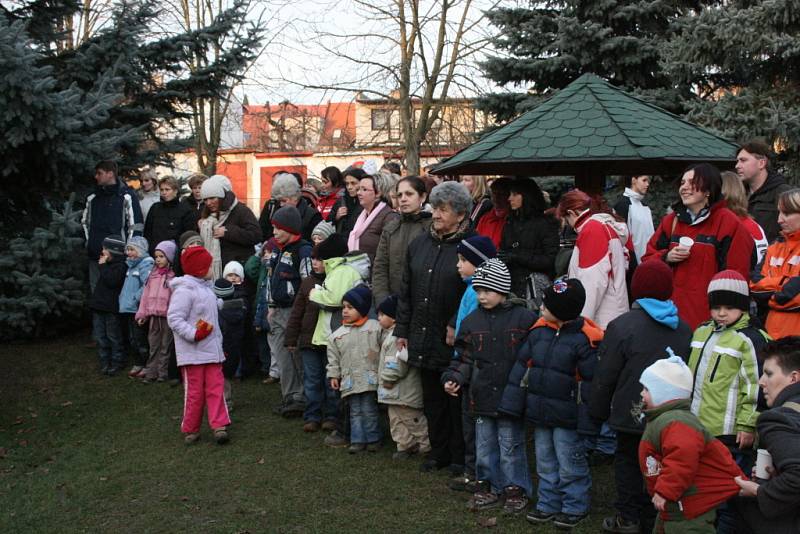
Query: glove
pixel 203 330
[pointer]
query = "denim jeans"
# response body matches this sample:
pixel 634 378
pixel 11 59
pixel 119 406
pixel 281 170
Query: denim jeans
pixel 564 478
pixel 364 425
pixel 500 453
pixel 110 346
pixel 605 443
pixel 138 340
pixel 726 515
pixel 321 401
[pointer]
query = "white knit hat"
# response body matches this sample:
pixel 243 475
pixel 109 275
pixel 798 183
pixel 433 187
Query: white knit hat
pixel 668 379
pixel 214 187
pixel 493 275
pixel 233 267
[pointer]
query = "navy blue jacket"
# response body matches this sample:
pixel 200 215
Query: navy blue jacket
pixel 551 379
pixel 487 344
pixel 232 321
pixel 112 210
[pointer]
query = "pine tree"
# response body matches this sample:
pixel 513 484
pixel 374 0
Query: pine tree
pixel 744 61
pixel 549 45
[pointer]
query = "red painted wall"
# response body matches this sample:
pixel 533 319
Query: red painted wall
pixel 237 172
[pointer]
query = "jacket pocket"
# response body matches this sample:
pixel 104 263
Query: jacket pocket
pixel 346 383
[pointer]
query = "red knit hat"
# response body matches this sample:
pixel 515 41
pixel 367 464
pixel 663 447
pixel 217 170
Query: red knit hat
pixel 729 288
pixel 652 279
pixel 196 261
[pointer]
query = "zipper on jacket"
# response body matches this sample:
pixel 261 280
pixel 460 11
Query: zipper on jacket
pixel 714 370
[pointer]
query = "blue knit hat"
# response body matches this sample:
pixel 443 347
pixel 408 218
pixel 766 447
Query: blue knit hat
pixel 140 244
pixel 477 249
pixel 668 379
pixel 360 297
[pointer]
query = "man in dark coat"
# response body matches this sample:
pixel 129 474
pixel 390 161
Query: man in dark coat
pixel 632 342
pixel 763 185
pixel 773 505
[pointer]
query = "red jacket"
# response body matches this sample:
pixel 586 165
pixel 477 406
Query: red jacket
pixel 491 225
pixel 325 203
pixel 685 464
pixel 720 242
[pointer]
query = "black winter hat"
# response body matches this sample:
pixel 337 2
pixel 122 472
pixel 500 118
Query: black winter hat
pixel 115 246
pixel 288 219
pixel 477 249
pixel 223 288
pixel 360 297
pixel 565 298
pixel 335 246
pixel 389 306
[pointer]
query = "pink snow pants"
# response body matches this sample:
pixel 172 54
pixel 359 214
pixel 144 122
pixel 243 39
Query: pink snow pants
pixel 203 387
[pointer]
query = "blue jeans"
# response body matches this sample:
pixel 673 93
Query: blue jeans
pixel 500 453
pixel 321 401
pixel 605 443
pixel 364 427
pixel 726 514
pixel 110 347
pixel 564 477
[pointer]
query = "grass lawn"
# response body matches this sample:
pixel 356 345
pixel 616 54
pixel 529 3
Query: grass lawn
pixel 81 452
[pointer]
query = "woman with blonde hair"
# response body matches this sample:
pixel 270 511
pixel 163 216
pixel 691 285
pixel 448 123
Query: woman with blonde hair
pixel 479 191
pixel 735 195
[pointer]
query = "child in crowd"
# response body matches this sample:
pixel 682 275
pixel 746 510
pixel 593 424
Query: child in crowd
pixel 322 231
pixel 233 272
pixel 726 370
pixel 321 401
pixel 550 384
pixel 232 320
pixel 688 473
pixel 472 252
pixel 193 317
pixel 401 390
pixel 139 265
pixel 153 307
pixel 487 342
pixel 256 269
pixel 353 351
pixel 105 307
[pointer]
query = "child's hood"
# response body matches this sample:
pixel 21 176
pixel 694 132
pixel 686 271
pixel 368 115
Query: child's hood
pixel 189 282
pixel 142 262
pixel 662 311
pixel 359 261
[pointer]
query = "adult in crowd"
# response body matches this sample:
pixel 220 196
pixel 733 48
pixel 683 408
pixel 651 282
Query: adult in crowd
pixel 347 209
pixel 601 255
pixel 715 241
pixel 330 190
pixel 777 283
pixel 530 238
pixel 112 210
pixel 286 191
pixel 632 342
pixel 169 218
pixel 398 232
pixel 228 228
pixel 773 505
pixel 763 185
pixel 195 199
pixel 479 191
pixel 428 302
pixel 148 192
pixel 493 221
pixel 636 213
pixel 736 198
pixel 375 212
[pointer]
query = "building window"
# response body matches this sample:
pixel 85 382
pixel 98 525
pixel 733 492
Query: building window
pixel 381 119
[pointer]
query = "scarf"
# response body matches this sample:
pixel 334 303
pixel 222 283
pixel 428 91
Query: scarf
pixel 212 244
pixel 362 223
pixel 357 322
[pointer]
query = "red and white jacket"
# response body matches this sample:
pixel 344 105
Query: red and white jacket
pixel 600 261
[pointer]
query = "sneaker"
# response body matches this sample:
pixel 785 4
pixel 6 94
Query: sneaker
pixel 270 380
pixel 191 438
pixel 336 440
pixel 600 458
pixel 135 370
pixel 535 515
pixel 465 483
pixel 161 379
pixel 429 466
pixel 455 469
pixel 278 410
pixel 355 448
pixel 311 426
pixel 403 455
pixel 293 410
pixel 620 525
pixel 114 371
pixel 221 436
pixel 375 446
pixel 148 380
pixel 516 500
pixel 568 521
pixel 329 426
pixel 483 500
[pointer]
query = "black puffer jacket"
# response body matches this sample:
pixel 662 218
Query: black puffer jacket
pixel 632 342
pixel 109 284
pixel 166 221
pixel 763 204
pixel 346 223
pixel 429 297
pixel 530 243
pixel 232 321
pixel 487 343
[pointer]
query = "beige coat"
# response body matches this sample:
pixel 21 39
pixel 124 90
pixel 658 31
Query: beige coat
pixel 353 353
pixel 407 389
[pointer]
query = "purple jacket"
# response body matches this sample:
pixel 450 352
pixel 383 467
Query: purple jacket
pixel 192 300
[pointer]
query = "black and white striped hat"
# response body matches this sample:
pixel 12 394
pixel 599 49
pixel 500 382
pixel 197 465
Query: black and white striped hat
pixel 493 275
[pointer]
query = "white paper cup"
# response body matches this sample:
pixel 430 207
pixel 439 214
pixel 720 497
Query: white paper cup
pixel 686 242
pixel 763 460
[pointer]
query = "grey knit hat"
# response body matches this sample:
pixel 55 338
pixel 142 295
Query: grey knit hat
pixel 140 244
pixel 492 275
pixel 324 229
pixel 288 219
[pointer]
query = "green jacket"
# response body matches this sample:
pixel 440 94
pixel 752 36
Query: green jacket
pixel 407 388
pixel 353 357
pixel 341 275
pixel 724 364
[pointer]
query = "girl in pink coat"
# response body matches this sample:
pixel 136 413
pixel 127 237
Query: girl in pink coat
pixel 153 307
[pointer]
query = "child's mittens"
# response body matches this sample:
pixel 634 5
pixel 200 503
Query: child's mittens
pixel 203 330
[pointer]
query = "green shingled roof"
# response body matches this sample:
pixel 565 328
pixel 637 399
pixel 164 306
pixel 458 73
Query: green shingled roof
pixel 591 126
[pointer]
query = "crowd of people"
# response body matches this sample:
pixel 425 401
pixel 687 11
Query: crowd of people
pixel 475 313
